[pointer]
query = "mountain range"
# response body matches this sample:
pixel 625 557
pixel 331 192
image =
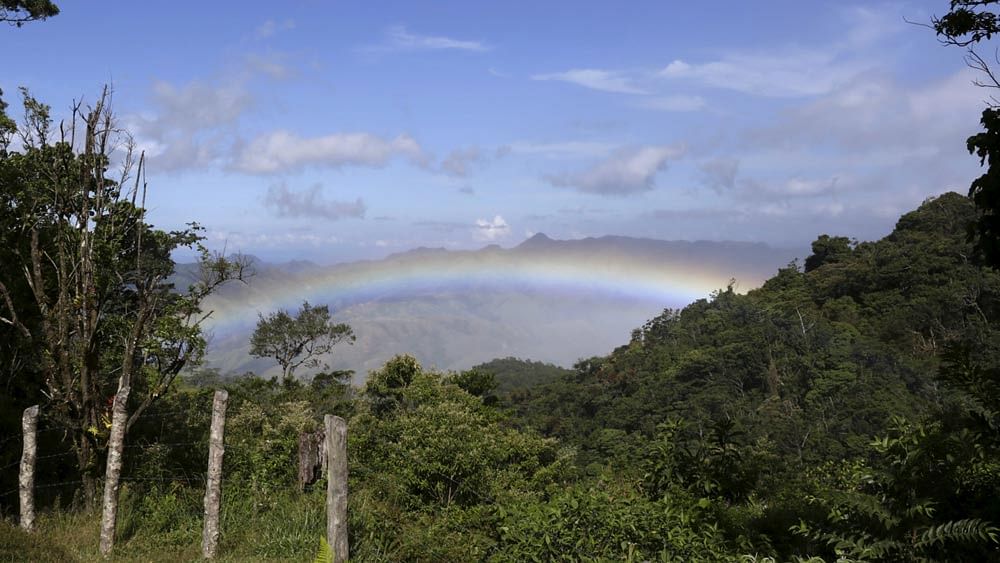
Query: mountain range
pixel 551 300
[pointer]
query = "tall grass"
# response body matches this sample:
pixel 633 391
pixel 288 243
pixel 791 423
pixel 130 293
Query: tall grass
pixel 164 524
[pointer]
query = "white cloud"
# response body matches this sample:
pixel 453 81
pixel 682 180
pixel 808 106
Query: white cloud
pixel 458 162
pixel 273 27
pixel 720 173
pixel 237 239
pixel 281 151
pixel 270 66
pixel 870 26
pixel 624 173
pixel 797 186
pixel 674 103
pixel 440 226
pixel 874 114
pixel 603 80
pixel 310 203
pixel 199 104
pixel 791 73
pixel 192 125
pixel 793 187
pixel 795 71
pixel 567 149
pixel 491 230
pixel 398 38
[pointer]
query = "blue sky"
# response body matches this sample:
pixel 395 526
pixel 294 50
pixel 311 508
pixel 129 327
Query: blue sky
pixel 335 131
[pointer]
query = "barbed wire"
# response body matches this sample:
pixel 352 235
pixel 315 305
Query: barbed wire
pixel 171 479
pixel 46 486
pixel 51 456
pixel 166 413
pixel 38 458
pixel 19 437
pixel 169 444
pixel 62 484
pixel 10 438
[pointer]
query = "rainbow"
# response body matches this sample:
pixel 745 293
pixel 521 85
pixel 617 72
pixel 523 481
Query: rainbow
pixel 662 281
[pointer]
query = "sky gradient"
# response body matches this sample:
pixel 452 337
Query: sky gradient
pixel 334 131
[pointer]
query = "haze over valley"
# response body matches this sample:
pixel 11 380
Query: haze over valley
pixel 551 300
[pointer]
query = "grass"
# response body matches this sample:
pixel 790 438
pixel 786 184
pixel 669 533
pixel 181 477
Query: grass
pixel 165 526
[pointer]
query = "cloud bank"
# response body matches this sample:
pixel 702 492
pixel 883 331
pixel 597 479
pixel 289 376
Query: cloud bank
pixel 626 172
pixel 310 203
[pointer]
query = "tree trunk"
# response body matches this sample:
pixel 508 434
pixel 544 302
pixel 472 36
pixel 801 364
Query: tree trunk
pixel 116 442
pixel 336 487
pixel 213 486
pixel 26 478
pixel 87 466
pixel 311 453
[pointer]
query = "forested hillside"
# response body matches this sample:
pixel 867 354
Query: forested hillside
pixel 515 374
pixel 814 362
pixel 845 408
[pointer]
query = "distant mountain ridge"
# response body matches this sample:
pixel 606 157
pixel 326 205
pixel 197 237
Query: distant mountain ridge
pixel 453 309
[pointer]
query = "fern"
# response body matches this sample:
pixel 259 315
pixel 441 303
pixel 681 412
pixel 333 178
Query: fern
pixel 325 553
pixel 962 531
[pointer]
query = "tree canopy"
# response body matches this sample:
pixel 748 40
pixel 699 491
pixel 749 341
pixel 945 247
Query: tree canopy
pixel 298 340
pixel 19 12
pixel 967 24
pixel 86 302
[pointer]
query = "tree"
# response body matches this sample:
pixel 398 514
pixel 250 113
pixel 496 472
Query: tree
pixel 299 340
pixel 19 12
pixel 85 285
pixel 966 24
pixel 827 250
pixel 477 382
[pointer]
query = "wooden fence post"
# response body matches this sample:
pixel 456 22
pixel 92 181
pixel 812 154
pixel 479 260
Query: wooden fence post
pixel 113 473
pixel 213 485
pixel 336 486
pixel 26 477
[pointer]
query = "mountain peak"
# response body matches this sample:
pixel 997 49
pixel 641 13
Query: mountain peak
pixel 538 239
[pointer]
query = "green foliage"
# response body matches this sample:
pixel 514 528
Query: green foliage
pixel 967 22
pixel 902 508
pixel 430 462
pixel 384 387
pixel 167 515
pixel 714 464
pixel 966 25
pixel 86 299
pixel 609 520
pixel 735 397
pixel 294 341
pixel 476 382
pixel 844 413
pixel 827 250
pixel 513 375
pixel 263 426
pixel 19 12
pixel 325 553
